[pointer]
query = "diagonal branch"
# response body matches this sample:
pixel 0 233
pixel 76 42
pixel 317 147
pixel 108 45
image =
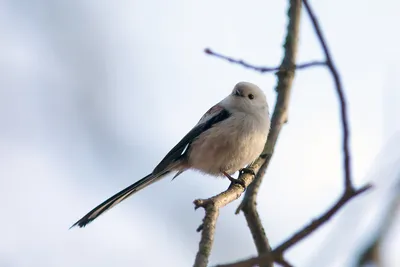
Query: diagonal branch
pixel 302 233
pixel 277 254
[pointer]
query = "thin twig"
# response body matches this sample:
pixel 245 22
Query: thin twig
pixel 264 69
pixel 339 89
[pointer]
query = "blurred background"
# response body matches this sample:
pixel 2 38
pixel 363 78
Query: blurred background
pixel 94 93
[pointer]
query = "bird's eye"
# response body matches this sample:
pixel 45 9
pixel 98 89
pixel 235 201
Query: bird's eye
pixel 251 96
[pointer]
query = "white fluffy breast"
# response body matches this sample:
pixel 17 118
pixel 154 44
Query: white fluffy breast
pixel 229 145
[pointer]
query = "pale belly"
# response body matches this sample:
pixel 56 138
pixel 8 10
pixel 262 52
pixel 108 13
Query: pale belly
pixel 227 147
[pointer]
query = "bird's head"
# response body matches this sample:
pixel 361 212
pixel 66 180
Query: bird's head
pixel 246 97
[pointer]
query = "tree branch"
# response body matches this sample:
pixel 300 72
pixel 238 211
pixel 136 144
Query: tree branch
pixel 285 78
pixel 339 89
pixel 279 117
pixel 301 234
pixel 211 207
pixel 349 191
pixel 265 69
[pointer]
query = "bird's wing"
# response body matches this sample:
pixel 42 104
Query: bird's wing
pixel 210 113
pixel 214 115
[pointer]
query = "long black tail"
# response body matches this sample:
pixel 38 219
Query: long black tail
pixel 117 198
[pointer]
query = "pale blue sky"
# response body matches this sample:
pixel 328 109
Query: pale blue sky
pixel 94 93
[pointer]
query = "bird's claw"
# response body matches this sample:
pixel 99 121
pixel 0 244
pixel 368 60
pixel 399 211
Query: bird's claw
pixel 234 180
pixel 247 170
pixel 240 182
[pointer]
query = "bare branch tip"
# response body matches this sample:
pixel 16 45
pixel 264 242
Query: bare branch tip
pixel 208 51
pixel 197 204
pixel 239 208
pixel 200 228
pixel 364 188
pixel 201 203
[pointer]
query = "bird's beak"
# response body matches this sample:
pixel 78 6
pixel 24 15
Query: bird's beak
pixel 237 93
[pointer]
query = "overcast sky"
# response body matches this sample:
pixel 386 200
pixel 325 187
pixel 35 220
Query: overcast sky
pixel 94 93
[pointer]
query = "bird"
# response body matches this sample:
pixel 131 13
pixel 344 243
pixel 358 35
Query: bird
pixel 228 137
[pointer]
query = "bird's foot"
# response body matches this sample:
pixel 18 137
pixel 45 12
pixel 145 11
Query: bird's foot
pixel 247 170
pixel 234 180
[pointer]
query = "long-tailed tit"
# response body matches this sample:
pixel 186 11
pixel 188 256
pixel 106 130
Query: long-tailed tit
pixel 229 136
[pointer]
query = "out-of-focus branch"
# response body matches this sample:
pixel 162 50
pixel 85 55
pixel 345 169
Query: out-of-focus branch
pixel 265 69
pixel 279 117
pixel 371 253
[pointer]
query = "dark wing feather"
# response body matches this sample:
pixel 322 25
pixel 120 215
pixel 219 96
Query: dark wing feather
pixel 178 151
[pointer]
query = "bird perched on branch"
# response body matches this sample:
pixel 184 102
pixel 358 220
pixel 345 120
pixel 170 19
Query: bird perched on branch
pixel 229 136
